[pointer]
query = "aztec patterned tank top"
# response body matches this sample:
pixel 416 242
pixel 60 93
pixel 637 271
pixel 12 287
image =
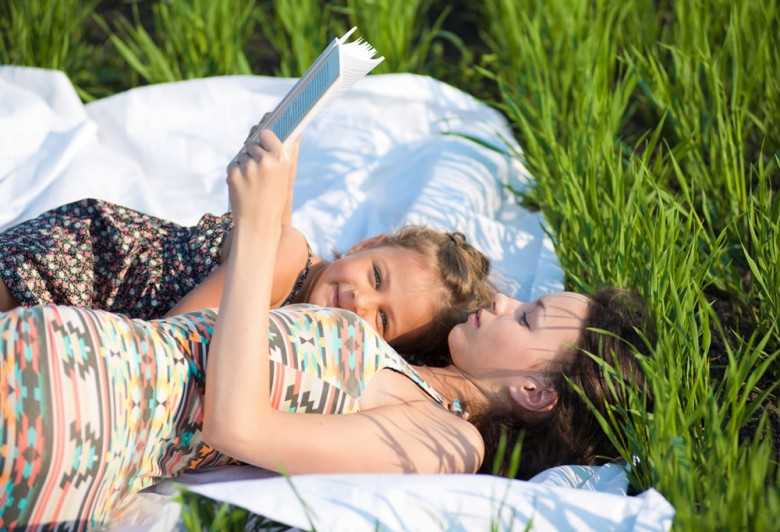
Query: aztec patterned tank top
pixel 97 406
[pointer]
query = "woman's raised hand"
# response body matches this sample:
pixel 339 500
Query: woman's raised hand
pixel 261 176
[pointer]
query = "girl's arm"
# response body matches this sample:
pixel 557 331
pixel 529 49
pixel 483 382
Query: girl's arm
pixel 291 258
pixel 291 255
pixel 403 430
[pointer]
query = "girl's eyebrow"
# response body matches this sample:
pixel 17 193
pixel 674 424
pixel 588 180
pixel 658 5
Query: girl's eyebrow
pixel 386 285
pixel 386 277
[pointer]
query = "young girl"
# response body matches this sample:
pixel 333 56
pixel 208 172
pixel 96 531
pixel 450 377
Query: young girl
pixel 412 286
pixel 97 406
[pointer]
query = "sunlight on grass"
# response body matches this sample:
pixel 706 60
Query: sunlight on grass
pixel 688 215
pixel 188 39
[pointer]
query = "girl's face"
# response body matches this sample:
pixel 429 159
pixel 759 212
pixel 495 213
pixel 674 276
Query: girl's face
pixel 515 338
pixel 388 286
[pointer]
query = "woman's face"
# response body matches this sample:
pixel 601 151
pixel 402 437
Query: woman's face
pixel 390 287
pixel 513 337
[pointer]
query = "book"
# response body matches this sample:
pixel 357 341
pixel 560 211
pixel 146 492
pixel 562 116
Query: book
pixel 338 68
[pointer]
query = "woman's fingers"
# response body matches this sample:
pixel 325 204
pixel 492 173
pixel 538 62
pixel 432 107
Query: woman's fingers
pixel 258 126
pixel 292 152
pixel 259 176
pixel 270 142
pixel 266 145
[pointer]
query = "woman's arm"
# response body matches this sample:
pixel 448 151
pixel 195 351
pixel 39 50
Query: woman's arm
pixel 237 370
pixel 402 431
pixel 287 216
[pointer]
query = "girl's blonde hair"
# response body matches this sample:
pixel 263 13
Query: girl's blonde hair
pixel 463 272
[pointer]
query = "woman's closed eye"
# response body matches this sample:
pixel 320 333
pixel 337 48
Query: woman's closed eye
pixel 524 319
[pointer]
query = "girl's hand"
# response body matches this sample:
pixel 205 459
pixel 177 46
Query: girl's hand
pixel 259 178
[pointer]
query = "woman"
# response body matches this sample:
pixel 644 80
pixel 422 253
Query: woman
pixel 117 404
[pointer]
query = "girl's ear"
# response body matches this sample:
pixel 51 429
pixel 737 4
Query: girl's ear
pixel 533 397
pixel 367 243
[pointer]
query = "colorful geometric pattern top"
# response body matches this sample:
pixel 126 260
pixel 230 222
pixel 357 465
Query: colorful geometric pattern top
pixel 331 354
pixel 96 406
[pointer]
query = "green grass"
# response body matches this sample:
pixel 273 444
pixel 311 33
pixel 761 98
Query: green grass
pixel 650 134
pixel 50 35
pixel 298 31
pixel 187 39
pixel 651 129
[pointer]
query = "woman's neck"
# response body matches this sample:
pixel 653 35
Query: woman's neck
pixel 453 385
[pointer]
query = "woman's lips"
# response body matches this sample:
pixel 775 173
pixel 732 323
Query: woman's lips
pixel 335 302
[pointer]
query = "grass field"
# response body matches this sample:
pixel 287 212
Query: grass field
pixel 652 129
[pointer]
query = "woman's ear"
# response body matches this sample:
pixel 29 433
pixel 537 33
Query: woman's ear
pixel 367 243
pixel 533 397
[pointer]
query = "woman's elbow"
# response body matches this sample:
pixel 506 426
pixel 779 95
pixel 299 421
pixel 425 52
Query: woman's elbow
pixel 218 435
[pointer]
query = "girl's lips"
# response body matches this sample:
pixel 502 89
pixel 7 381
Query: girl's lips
pixel 474 319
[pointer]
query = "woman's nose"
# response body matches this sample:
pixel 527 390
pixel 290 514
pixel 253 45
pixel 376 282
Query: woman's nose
pixel 499 305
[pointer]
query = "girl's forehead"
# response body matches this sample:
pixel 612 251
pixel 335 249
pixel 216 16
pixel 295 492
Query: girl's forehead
pixel 413 257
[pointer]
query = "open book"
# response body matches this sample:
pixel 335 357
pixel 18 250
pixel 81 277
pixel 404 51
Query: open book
pixel 337 68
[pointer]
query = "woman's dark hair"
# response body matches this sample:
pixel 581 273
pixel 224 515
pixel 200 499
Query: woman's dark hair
pixel 462 272
pixel 570 433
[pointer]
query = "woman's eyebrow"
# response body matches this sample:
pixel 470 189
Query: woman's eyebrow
pixel 539 316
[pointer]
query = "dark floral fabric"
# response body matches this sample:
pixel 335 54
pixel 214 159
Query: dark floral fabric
pixel 92 253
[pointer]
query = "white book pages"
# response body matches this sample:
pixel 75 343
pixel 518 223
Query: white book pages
pixel 338 68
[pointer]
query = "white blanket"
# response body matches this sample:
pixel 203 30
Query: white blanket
pixel 376 160
pixel 382 156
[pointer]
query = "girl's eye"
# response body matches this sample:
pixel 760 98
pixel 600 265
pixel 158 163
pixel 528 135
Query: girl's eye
pixel 383 318
pixel 524 319
pixel 377 278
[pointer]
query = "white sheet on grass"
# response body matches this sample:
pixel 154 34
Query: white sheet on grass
pixel 376 160
pixel 436 502
pixel 382 156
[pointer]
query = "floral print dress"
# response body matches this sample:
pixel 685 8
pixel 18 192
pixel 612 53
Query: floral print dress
pixel 92 253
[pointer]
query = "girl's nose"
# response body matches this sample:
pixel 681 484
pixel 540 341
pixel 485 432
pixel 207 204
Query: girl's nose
pixel 363 303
